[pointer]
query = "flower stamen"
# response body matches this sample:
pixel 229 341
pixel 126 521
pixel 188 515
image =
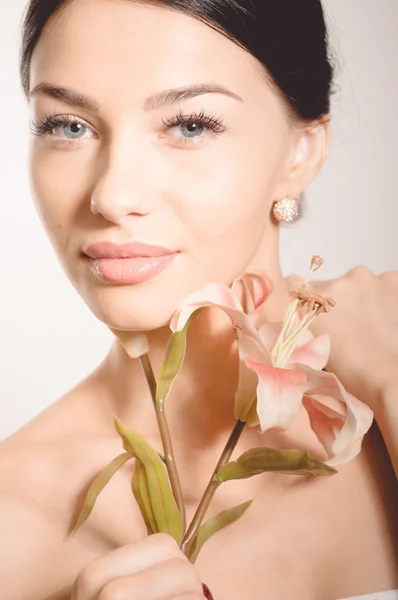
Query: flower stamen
pixel 314 302
pixel 316 305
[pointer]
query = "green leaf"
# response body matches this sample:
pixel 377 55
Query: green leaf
pixel 97 486
pixel 175 354
pixel 210 527
pixel 261 460
pixel 139 486
pixel 165 510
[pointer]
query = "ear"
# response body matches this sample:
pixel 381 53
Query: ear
pixel 311 143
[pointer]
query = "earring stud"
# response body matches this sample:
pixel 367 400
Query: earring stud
pixel 286 210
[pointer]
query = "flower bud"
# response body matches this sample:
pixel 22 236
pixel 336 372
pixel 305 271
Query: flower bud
pixel 135 343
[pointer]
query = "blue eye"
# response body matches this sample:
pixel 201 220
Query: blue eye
pixel 193 129
pixel 194 125
pixel 71 127
pixel 75 130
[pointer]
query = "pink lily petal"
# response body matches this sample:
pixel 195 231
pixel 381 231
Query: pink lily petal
pixel 305 338
pixel 255 287
pixel 314 354
pixel 325 422
pixel 212 294
pixel 279 395
pixel 269 333
pixel 220 296
pixel 251 347
pixel 342 440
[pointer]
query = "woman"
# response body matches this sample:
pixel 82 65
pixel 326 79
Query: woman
pixel 195 172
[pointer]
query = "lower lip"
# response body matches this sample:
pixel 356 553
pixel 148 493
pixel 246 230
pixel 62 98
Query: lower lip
pixel 130 270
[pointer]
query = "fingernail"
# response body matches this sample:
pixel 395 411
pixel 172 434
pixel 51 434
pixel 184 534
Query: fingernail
pixel 206 592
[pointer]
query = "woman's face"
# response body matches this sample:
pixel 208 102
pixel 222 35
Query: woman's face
pixel 123 170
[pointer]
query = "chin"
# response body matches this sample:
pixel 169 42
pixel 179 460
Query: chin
pixel 146 306
pixel 122 308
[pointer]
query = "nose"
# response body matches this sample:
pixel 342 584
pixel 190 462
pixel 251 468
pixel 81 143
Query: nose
pixel 124 184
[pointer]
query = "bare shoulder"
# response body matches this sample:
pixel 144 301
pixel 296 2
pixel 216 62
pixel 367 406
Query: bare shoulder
pixel 45 469
pixel 29 537
pixel 41 460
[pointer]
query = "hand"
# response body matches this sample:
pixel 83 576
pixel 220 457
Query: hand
pixel 152 569
pixel 363 328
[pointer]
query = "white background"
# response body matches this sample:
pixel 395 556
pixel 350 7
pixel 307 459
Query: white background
pixel 48 338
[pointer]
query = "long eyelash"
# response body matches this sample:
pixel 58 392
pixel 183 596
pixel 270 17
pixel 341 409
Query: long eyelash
pixel 49 122
pixel 213 123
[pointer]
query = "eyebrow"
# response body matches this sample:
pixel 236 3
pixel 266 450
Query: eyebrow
pixel 156 101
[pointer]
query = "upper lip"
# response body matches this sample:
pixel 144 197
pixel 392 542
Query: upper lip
pixel 129 250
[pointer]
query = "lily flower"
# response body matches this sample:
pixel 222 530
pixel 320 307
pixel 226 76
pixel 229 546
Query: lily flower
pixel 281 365
pixel 135 343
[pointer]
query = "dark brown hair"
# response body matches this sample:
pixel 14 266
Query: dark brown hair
pixel 288 37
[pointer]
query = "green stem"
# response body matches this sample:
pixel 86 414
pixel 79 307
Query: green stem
pixel 211 488
pixel 166 439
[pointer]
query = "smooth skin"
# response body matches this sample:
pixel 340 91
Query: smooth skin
pixel 131 178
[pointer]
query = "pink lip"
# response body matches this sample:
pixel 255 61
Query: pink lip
pixel 130 250
pixel 128 263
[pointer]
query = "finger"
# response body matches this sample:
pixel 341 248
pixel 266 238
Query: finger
pixel 124 561
pixel 317 284
pixel 294 281
pixel 163 581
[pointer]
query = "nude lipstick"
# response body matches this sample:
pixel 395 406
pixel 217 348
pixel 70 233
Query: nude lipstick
pixel 134 262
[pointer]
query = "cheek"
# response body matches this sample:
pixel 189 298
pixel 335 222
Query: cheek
pixel 228 202
pixel 227 187
pixel 56 187
pixel 225 202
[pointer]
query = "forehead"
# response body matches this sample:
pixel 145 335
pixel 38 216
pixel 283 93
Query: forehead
pixel 129 46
